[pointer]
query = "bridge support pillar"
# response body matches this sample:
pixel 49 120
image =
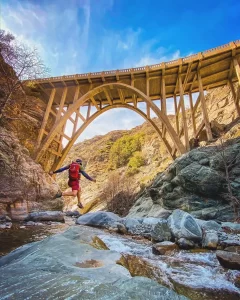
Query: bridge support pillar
pixel 45 118
pixel 192 114
pixel 236 96
pixel 237 69
pixel 184 117
pixel 204 108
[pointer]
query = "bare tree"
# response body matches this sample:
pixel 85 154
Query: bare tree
pixel 228 163
pixel 119 194
pixel 17 62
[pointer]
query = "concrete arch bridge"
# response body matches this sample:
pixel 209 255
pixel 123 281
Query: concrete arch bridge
pixel 66 98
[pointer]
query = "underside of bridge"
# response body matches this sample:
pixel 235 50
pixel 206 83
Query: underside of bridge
pixel 66 98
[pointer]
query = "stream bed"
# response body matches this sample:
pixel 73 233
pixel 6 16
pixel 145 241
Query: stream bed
pixel 195 274
pixel 19 234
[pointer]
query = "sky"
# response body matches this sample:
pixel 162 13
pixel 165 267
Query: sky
pixel 80 36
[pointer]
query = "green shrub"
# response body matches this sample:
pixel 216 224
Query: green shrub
pixel 135 162
pixel 123 149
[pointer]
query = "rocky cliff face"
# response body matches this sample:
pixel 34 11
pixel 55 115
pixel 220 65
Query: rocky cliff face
pixel 196 182
pixel 24 186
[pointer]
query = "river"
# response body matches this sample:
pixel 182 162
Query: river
pixel 19 234
pixel 195 274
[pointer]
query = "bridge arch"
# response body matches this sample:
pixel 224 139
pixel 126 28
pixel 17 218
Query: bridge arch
pixel 60 160
pixel 90 96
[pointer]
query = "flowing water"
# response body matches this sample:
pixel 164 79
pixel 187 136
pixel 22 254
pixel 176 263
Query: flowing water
pixel 197 275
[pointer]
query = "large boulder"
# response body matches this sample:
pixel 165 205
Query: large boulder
pixel 55 216
pixel 208 225
pixel 98 219
pixel 194 182
pixel 210 239
pixel 183 225
pixel 161 232
pixel 130 223
pixel 229 260
pixel 200 179
pixel 164 248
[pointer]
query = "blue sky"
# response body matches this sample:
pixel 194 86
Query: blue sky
pixel 78 36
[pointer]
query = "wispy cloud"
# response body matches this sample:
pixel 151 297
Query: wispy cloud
pixel 73 37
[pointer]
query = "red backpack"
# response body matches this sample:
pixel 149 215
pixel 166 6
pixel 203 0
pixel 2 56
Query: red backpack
pixel 74 169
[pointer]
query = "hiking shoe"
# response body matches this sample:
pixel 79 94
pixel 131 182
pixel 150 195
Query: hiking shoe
pixel 58 195
pixel 80 205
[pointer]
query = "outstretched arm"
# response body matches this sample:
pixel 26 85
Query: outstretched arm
pixel 87 176
pixel 61 169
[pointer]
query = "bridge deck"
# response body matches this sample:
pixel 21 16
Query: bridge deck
pixel 215 65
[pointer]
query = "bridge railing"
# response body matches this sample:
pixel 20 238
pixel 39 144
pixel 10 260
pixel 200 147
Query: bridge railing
pixel 161 65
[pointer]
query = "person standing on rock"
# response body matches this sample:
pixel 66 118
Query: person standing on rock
pixel 75 170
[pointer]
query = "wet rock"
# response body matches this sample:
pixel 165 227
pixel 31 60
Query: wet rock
pixel 210 239
pixel 30 223
pixel 232 241
pixel 75 214
pixel 4 219
pixel 234 277
pixel 7 225
pixel 65 266
pixel 151 221
pixel 99 244
pixel 235 249
pixel 164 248
pixel 98 219
pixel 121 228
pixel 56 216
pixel 185 244
pixel 161 232
pixel 143 230
pixel 231 227
pixel 130 222
pixel 183 225
pixel 229 260
pixel 209 225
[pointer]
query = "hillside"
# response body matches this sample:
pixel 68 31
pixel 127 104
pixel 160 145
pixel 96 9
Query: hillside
pixel 97 154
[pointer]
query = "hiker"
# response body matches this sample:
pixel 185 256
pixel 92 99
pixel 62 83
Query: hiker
pixel 75 170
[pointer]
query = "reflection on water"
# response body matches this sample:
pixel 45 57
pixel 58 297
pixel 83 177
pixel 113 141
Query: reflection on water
pixel 15 237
